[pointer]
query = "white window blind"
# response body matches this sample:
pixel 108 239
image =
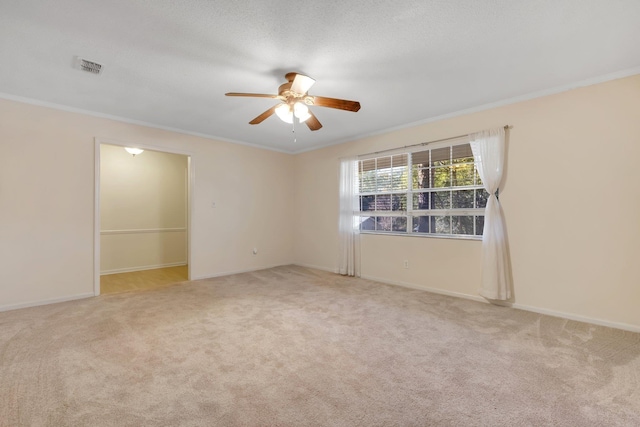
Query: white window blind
pixel 428 191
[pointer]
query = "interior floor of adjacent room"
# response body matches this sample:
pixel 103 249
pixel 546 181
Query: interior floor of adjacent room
pixel 143 280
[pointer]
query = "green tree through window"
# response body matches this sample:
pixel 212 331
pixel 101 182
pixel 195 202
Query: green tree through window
pixel 428 192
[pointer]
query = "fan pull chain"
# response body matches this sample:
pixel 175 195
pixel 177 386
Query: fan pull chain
pixel 295 139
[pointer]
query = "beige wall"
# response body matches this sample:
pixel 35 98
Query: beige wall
pixel 47 202
pixel 143 209
pixel 571 201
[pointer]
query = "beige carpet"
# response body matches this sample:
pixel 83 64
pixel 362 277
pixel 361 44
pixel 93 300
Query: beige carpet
pixel 291 346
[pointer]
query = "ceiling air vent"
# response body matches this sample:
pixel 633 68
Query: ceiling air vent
pixel 89 66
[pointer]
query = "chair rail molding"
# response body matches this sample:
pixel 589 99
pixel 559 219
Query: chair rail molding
pixel 143 230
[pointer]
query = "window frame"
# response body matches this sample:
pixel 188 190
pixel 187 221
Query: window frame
pixel 409 213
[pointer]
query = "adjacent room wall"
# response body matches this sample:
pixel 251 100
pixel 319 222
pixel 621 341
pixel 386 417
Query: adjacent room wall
pixel 571 202
pixel 143 210
pixel 47 202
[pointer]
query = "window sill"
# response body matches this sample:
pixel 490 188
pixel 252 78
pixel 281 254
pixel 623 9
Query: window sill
pixel 424 235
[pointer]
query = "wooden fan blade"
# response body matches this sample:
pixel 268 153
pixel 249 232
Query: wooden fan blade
pixel 255 95
pixel 301 84
pixel 341 104
pixel 264 115
pixel 313 122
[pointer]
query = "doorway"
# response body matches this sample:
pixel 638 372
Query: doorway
pixel 142 217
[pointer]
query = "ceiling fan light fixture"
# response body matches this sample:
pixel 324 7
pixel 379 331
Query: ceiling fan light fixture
pixel 301 84
pixel 284 112
pixel 301 111
pixel 294 102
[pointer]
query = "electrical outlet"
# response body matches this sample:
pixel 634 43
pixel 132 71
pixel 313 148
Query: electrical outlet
pixel 406 263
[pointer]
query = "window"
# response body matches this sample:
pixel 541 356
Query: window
pixel 434 191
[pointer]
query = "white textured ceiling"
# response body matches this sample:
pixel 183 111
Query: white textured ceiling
pixel 168 63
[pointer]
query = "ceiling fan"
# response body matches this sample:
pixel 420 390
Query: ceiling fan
pixel 295 101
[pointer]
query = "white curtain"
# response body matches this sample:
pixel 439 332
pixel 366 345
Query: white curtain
pixel 488 152
pixel 349 254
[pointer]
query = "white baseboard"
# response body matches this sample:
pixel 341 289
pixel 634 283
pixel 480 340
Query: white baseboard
pixel 229 273
pixel 554 313
pixel 426 288
pixel 142 268
pixel 316 267
pixel 44 302
pixel 576 317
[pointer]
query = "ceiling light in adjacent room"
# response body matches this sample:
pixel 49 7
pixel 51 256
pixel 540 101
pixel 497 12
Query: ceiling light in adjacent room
pixel 134 151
